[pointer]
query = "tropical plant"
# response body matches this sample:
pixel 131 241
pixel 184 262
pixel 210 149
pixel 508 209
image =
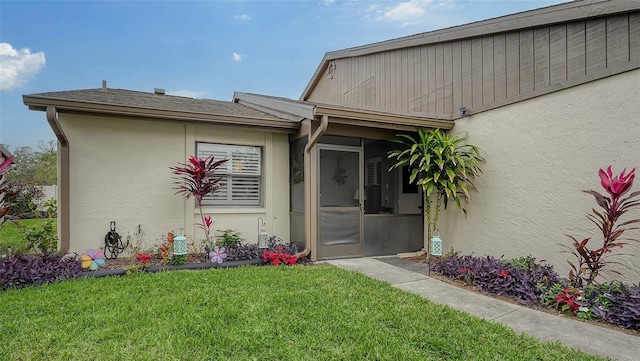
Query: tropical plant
pixel 443 165
pixel 590 261
pixel 197 179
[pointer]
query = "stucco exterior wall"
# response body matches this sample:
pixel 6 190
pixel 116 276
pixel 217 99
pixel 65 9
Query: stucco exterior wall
pixel 541 153
pixel 119 171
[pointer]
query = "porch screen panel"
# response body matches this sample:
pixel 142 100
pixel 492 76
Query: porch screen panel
pixel 337 227
pixel 241 174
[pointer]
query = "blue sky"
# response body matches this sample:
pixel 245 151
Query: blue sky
pixel 200 49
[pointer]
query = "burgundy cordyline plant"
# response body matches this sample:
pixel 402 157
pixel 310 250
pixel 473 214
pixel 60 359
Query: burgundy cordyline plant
pixel 592 261
pixel 196 179
pixel 5 165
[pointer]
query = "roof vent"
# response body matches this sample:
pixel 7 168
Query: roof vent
pixel 104 85
pixel 158 91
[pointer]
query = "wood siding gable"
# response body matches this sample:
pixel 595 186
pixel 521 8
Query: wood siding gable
pixel 485 71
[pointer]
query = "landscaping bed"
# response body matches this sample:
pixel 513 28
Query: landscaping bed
pixel 613 305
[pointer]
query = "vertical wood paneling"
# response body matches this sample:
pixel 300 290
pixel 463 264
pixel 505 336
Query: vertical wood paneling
pixel 596 45
pixel 617 40
pixel 576 63
pixel 411 78
pixel 405 80
pixel 634 37
pixel 457 75
pixel 487 70
pixel 439 79
pixel 418 81
pixel 467 79
pixel 499 67
pixel 379 76
pixel 448 78
pixel 558 53
pixel 424 79
pixel 541 56
pixel 512 41
pixel 431 64
pixel 479 72
pixel 526 61
pixel 476 72
pixel 387 79
pixel 397 103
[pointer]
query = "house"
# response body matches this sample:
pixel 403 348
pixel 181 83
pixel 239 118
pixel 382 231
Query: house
pixel 550 96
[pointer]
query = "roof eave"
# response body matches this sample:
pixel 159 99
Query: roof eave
pixel 381 120
pixel 62 105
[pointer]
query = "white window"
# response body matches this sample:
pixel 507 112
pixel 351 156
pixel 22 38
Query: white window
pixel 241 174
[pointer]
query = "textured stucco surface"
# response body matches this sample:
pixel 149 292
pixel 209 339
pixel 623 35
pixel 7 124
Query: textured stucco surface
pixel 119 171
pixel 540 154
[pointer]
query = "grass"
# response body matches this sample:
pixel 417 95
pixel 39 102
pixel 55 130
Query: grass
pixel 250 313
pixel 11 236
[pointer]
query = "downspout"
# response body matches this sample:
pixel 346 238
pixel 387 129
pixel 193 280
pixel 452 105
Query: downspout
pixel 63 179
pixel 308 191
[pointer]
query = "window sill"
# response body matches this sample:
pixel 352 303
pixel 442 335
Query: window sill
pixel 230 210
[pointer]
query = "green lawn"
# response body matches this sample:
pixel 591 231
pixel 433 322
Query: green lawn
pixel 11 236
pixel 250 313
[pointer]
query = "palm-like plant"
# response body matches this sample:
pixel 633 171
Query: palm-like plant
pixel 443 165
pixel 197 179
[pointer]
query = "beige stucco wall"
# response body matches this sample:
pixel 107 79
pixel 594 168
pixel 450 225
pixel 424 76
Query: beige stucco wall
pixel 540 154
pixel 119 171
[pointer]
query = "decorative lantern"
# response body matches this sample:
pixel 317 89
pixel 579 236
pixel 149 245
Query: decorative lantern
pixel 436 245
pixel 180 244
pixel 263 236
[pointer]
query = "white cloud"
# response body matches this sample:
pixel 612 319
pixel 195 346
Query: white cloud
pixel 411 12
pixel 237 57
pixel 188 93
pixel 328 2
pixel 242 17
pixel 407 10
pixel 16 66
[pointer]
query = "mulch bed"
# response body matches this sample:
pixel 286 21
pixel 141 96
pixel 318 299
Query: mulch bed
pixel 125 262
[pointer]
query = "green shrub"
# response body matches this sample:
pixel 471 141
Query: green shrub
pixel 229 238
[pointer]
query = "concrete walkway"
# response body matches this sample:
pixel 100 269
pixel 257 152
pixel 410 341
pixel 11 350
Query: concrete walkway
pixel 409 276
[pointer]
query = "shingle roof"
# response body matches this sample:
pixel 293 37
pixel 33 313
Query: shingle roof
pixel 143 100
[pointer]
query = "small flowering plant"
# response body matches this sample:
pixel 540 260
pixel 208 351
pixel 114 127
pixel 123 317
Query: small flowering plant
pixel 275 258
pixel 572 301
pixel 144 259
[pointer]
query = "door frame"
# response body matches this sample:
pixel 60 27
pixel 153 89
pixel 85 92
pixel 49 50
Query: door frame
pixel 345 250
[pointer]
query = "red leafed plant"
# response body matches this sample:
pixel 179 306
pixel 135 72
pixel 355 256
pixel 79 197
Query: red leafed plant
pixel 5 165
pixel 276 257
pixel 591 261
pixel 197 179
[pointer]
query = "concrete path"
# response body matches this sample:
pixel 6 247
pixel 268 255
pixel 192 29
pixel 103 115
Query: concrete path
pixel 411 277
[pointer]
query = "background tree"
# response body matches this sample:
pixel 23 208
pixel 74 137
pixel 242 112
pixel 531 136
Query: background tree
pixel 444 166
pixel 37 167
pixel 32 169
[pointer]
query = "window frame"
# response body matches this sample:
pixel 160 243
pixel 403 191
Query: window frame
pixel 232 174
